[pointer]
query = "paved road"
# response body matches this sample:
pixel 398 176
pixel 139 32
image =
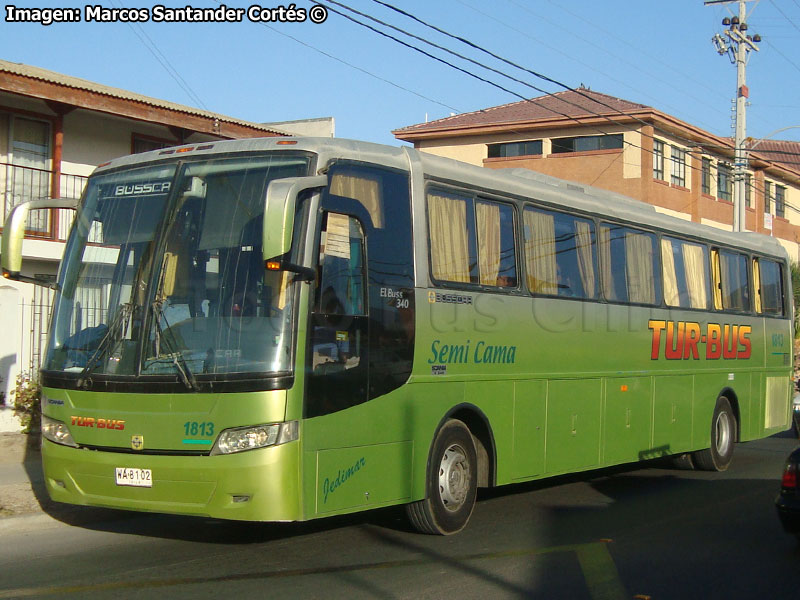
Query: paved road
pixel 648 532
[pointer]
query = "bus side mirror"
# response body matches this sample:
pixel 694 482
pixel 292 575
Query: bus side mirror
pixel 14 234
pixel 279 212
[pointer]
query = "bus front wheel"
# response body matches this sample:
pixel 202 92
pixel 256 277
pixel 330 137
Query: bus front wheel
pixel 723 436
pixel 451 482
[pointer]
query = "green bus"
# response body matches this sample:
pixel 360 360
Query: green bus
pixel 285 329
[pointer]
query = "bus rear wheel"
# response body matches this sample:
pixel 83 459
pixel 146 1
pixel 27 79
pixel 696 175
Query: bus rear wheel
pixel 451 482
pixel 723 436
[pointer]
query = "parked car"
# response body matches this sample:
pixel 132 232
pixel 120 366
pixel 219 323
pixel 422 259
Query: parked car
pixel 788 501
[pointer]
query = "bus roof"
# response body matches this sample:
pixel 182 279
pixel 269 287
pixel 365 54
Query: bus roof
pixel 522 183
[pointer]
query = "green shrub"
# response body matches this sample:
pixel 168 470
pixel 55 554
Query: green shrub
pixel 27 402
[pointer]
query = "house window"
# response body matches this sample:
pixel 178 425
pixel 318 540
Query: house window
pixel 724 182
pixel 587 143
pixel 706 176
pixel 678 171
pixel 767 197
pixel 27 177
pixel 530 148
pixel 146 144
pixel 780 201
pixel 658 160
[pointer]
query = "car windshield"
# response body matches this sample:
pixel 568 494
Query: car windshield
pixel 164 275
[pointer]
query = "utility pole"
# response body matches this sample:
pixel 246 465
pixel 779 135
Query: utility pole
pixel 737 44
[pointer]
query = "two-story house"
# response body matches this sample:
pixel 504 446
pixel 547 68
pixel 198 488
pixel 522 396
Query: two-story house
pixel 54 129
pixel 596 139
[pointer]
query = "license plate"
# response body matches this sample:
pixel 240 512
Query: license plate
pixel 134 477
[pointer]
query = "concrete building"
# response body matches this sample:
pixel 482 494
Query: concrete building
pixel 596 139
pixel 54 129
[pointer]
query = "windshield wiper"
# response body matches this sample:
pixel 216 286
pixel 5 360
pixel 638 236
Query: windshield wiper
pixel 119 323
pixel 178 361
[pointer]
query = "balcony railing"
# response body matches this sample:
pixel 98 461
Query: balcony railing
pixel 19 184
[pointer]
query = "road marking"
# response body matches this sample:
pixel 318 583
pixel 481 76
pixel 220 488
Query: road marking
pixel 599 571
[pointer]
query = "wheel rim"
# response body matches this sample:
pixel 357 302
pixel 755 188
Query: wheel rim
pixel 454 477
pixel 724 433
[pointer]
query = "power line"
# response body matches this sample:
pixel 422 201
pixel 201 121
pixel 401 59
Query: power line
pixel 463 40
pixel 690 143
pixel 786 58
pixel 357 68
pixel 543 77
pixel 164 61
pixel 420 50
pixel 784 15
pixel 683 74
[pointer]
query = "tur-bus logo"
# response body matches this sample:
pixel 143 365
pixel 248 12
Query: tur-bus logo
pixel 683 340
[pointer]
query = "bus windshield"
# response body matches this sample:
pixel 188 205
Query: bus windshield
pixel 163 274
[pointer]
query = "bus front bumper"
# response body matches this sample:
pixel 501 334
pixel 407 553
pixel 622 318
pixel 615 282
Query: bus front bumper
pixel 257 485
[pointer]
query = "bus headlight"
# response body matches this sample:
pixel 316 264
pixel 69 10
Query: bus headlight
pixel 240 439
pixel 57 432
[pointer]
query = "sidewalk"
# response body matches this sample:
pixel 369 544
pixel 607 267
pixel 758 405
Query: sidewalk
pixel 21 479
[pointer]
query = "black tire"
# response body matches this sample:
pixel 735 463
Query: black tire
pixel 683 461
pixel 723 438
pixel 451 484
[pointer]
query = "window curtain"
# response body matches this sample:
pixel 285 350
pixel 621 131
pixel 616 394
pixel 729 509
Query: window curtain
pixel 639 267
pixel 695 265
pixel 734 281
pixel 540 252
pixel 606 273
pixel 583 240
pixel 671 295
pixel 447 217
pixel 366 190
pixel 488 217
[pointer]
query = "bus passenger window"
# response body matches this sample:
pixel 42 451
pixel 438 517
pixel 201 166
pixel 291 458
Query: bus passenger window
pixel 628 265
pixel 768 275
pixel 497 259
pixel 452 254
pixel 733 283
pixel 686 280
pixel 559 254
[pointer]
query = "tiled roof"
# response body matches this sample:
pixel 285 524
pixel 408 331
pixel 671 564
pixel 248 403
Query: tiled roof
pixel 581 102
pixel 97 88
pixel 783 152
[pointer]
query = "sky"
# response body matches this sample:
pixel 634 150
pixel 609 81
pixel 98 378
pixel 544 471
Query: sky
pixel 655 53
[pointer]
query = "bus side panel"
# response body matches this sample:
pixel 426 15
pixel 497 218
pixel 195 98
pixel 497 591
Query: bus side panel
pixel 573 425
pixel 672 414
pixel 627 419
pixel 530 425
pixel 751 421
pixel 362 477
pixel 495 399
pixel 359 458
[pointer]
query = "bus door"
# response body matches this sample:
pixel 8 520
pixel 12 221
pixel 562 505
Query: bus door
pixel 338 348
